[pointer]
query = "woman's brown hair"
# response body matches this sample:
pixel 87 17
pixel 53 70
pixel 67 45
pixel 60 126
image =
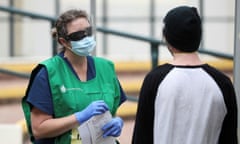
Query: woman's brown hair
pixel 60 29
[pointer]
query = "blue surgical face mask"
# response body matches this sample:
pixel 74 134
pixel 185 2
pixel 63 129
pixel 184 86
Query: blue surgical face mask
pixel 84 46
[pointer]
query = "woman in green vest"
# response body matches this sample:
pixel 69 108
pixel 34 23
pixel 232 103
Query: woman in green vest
pixel 72 87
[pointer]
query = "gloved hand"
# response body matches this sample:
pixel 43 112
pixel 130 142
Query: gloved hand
pixel 113 128
pixel 95 108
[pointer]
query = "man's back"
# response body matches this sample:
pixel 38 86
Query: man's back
pixel 185 101
pixel 189 107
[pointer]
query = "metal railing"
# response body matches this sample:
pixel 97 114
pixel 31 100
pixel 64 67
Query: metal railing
pixel 154 43
pixel 16 11
pixel 14 73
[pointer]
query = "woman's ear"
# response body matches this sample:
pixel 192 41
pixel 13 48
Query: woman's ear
pixel 63 42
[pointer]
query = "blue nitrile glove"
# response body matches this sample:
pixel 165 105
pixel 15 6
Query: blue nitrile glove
pixel 113 128
pixel 95 108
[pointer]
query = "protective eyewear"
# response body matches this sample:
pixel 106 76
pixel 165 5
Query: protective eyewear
pixel 79 34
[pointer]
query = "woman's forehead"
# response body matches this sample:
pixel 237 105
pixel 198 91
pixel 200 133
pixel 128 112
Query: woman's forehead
pixel 77 25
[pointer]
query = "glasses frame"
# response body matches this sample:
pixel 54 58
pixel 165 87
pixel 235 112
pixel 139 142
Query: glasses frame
pixel 79 35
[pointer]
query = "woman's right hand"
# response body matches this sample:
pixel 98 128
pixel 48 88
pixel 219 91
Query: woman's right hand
pixel 95 108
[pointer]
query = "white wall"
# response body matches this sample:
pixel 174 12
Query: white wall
pixel 33 37
pixel 4 29
pixel 36 34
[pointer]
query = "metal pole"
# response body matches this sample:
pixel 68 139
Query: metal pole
pixel 105 24
pixel 11 31
pixel 154 54
pixel 93 19
pixel 236 77
pixel 54 42
pixel 201 12
pixel 57 7
pixel 152 18
pixel 154 47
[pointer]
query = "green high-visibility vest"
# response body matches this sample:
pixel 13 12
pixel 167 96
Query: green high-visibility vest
pixel 71 95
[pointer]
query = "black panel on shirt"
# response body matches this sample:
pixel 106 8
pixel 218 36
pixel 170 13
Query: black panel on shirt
pixel 143 130
pixel 228 133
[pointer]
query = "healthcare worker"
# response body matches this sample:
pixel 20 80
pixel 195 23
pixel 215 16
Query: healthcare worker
pixel 71 87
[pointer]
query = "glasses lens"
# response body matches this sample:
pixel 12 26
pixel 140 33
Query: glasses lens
pixel 80 34
pixel 89 31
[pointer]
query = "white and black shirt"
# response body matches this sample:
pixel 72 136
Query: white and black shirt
pixel 186 105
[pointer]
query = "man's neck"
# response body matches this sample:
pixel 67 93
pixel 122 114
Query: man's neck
pixel 182 58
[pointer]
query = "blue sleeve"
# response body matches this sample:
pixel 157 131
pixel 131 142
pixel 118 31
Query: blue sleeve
pixel 39 95
pixel 123 96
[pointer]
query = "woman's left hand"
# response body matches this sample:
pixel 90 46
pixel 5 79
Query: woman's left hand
pixel 113 128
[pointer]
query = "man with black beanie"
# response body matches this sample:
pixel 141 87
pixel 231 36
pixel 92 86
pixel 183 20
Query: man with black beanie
pixel 185 101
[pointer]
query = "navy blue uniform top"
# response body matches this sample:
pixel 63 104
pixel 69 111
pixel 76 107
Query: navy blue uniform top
pixel 40 97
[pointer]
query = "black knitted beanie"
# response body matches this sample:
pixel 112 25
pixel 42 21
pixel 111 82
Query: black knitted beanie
pixel 183 29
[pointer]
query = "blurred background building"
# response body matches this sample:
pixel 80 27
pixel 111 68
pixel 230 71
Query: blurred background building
pixel 23 37
pixel 128 32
